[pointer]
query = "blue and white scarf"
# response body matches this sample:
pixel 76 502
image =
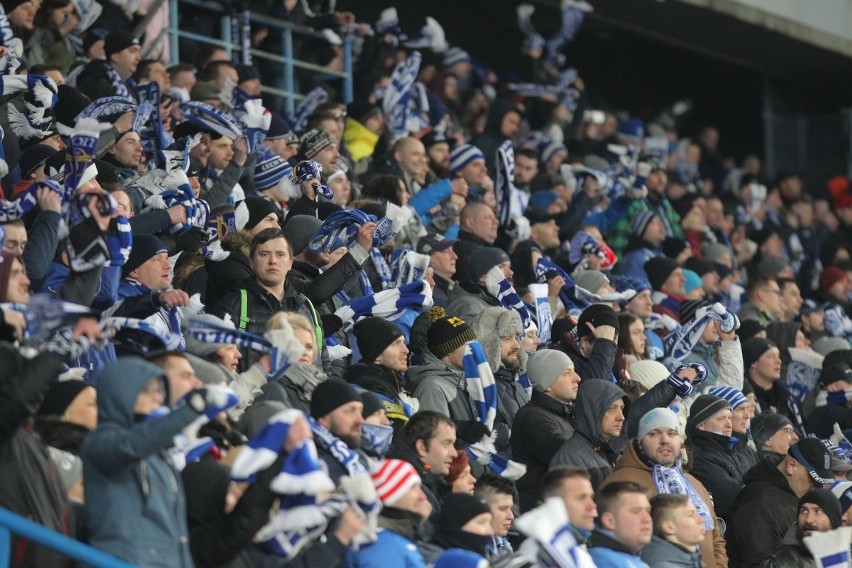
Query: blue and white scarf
pixel 533 41
pixel 573 15
pixel 211 119
pixel 25 202
pixel 396 97
pixel 107 106
pixel 575 297
pixel 211 332
pixel 31 117
pixel 483 392
pixel 671 480
pixel 308 170
pixel 254 119
pixel 407 266
pixel 154 138
pixel 497 285
pixel 680 343
pixel 383 271
pixel 341 229
pixel 387 303
pixel 306 108
pixel 508 207
pixel 120 242
pixel 171 341
pixel 549 526
pixel 44 314
pixel 6 33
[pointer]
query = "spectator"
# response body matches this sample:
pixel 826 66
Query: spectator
pixel 625 526
pixel 678 532
pixel 819 511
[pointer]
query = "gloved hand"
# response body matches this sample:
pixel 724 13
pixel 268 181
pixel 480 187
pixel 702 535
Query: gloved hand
pixel 64 343
pixel 730 322
pixel 286 349
pixel 685 387
pixel 192 240
pixel 211 400
pixel 471 431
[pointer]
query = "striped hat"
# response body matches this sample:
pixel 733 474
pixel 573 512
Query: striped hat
pixel 455 55
pixel 551 150
pixel 734 397
pixel 270 169
pixel 462 155
pixel 641 221
pixel 393 479
pixel 447 334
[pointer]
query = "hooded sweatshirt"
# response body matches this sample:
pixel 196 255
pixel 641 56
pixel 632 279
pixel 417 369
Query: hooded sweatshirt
pixel 135 505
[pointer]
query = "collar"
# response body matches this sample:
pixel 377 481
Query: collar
pixel 605 539
pixel 564 410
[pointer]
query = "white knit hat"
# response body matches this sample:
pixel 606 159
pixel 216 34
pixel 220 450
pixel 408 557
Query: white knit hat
pixel 648 373
pixel 658 418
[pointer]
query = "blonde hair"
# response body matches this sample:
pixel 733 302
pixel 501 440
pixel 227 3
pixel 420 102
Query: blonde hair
pixel 283 320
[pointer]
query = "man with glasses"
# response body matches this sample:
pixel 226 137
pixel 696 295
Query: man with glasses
pixel 764 301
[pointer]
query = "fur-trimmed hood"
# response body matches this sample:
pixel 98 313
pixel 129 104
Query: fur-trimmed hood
pixel 239 241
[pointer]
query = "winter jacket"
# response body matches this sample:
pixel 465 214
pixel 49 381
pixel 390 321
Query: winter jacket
pixel 389 385
pixel 599 363
pixel 538 431
pixel 135 506
pixel 792 553
pixel 821 421
pixel 631 467
pixel 511 397
pixel 31 486
pixel 720 463
pixel 661 553
pixel 634 262
pixel 396 539
pixel 285 391
pixel 220 184
pixel 94 81
pixel 608 552
pixel 751 312
pixel 467 300
pixel 226 275
pixel 775 399
pixel 753 535
pixel 43 236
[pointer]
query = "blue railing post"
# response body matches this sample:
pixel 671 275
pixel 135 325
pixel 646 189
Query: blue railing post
pixel 174 56
pixel 225 30
pixel 289 72
pixel 348 92
pixel 5 547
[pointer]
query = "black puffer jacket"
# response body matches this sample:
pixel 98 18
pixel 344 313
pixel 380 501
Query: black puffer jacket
pixel 761 515
pixel 792 553
pixel 226 275
pixel 719 462
pixel 385 383
pixel 511 397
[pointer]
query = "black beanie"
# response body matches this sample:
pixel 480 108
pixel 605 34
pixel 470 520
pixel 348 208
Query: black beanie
pixel 118 41
pixel 597 315
pixel 10 5
pixel 299 230
pixel 258 209
pixel 372 403
pixel 749 328
pixel 459 508
pixel 764 426
pixel 688 308
pixel 447 334
pixel 374 335
pixel 70 103
pixel 658 270
pixel 834 372
pixel 34 156
pixel 330 395
pixel 484 259
pixel 60 396
pixel 825 500
pixel 753 349
pixel 703 409
pixel 144 247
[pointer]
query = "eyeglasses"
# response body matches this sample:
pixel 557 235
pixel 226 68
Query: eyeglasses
pixel 155 389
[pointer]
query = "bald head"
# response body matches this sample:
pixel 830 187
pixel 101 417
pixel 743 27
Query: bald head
pixel 410 155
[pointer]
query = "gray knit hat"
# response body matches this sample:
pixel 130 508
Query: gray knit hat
pixel 545 366
pixel 315 141
pixel 203 348
pixel 704 408
pixel 591 280
pixel 299 230
pixel 764 426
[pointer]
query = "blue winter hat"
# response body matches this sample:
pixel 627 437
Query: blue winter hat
pixel 640 222
pixel 542 199
pixel 270 169
pixel 693 280
pixel 458 558
pixel 455 55
pixel 632 128
pixel 462 155
pixel 734 397
pixel 624 283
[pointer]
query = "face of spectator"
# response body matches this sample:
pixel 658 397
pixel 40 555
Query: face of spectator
pixel 656 182
pixel 511 124
pixel 439 154
pixel 438 452
pixel 509 348
pixel 480 524
pixel 229 357
pixel 719 423
pixel 638 339
pixel 226 72
pixel 128 150
pixel 328 158
pixel 395 356
pixel 711 333
pixel 465 482
pixel 411 157
pixel 307 339
pixel 655 233
pixel 126 61
pixel 531 340
pixel 154 272
pixel 201 152
pixel 791 300
pixel 24 15
pixel 252 87
pixel 182 378
pixel 502 514
pixel 158 74
pixel 475 173
pixel 184 80
pixel 123 205
pixel 674 284
pixel 150 398
pixel 566 386
pixel 812 519
pixel 688 524
pixel 768 367
pixel 345 422
pixel 710 282
pixel 579 498
pixel 333 127
pixel 802 342
pixel 16 238
pixel 740 419
pixel 546 234
pixel 221 153
pixel 526 169
pixel 483 223
pixel 814 322
pixel 641 305
pixel 780 441
pixel 662 446
pixel 83 410
pixel 631 520
pixel 341 188
pixel 444 262
pixel 613 420
pixel 415 501
pixel 271 262
pixel 268 222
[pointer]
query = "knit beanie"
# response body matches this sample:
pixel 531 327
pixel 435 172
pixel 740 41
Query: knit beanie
pixel 834 372
pixel 624 283
pixel 145 247
pixel 372 403
pixel 591 280
pixel 700 267
pixel 447 334
pixel 393 479
pixel 208 372
pixel 830 276
pixel 545 366
pixel 764 426
pixel 484 259
pixel 118 41
pixel 691 280
pixel 825 500
pixel 658 418
pixel 597 315
pixel 330 395
pixel 462 155
pixel 659 269
pixel 315 141
pixel 640 222
pixel 753 349
pixel 204 348
pixel 648 372
pixel 455 55
pixel 374 335
pixel 704 408
pixel 258 209
pixel 672 247
pixel 10 5
pixel 688 309
pixel 60 396
pixel 299 230
pixel 749 328
pixel 843 491
pixel 270 169
pixel 734 397
pixel 459 508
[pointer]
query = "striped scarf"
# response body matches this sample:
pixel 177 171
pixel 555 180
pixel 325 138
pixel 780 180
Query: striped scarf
pixel 575 297
pixel 387 303
pixel 120 242
pixel 308 170
pixel 573 15
pixel 211 332
pixel 548 525
pixel 681 341
pixel 407 266
pixel 306 108
pixel 397 95
pixel 154 138
pixel 32 115
pixel 341 229
pixel 671 480
pixel 483 392
pixel 497 285
pixel 508 207
pixel 382 270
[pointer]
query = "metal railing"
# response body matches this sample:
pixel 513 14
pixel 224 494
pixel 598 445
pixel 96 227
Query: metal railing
pixel 287 88
pixel 11 523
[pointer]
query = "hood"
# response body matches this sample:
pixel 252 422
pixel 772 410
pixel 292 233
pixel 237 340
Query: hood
pixel 499 109
pixel 594 398
pixel 767 472
pixel 119 383
pixel 433 366
pixel 239 241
